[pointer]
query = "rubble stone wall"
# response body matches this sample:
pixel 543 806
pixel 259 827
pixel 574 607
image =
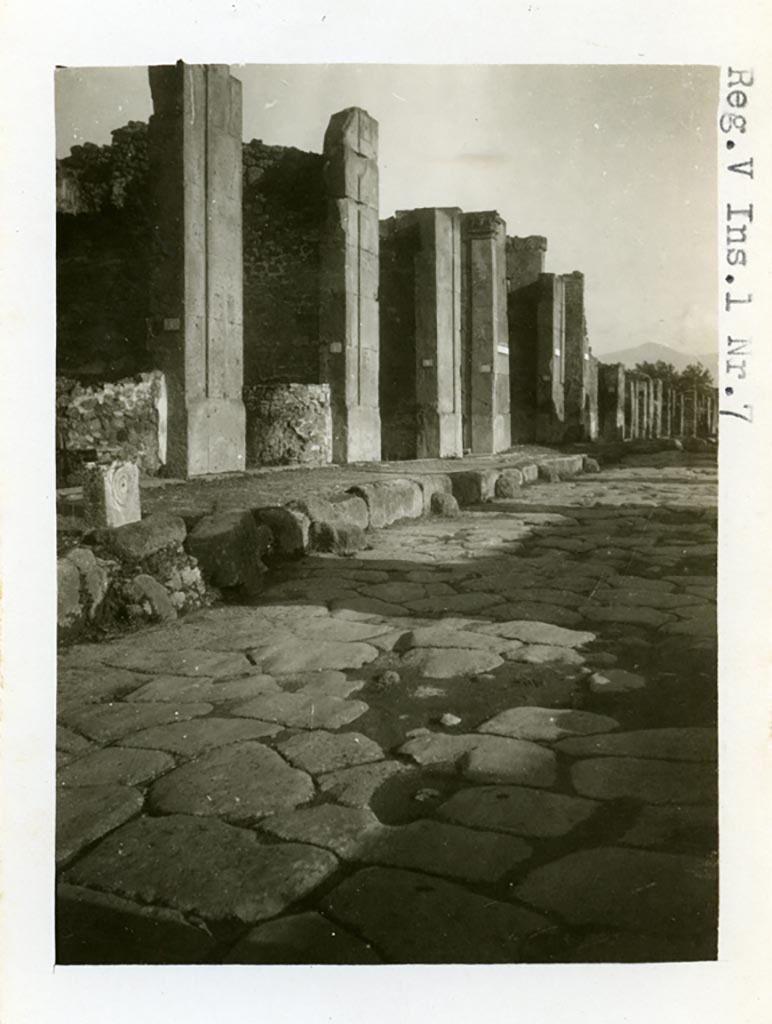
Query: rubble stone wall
pixel 288 424
pixel 125 419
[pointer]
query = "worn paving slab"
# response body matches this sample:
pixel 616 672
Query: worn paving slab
pixel 306 938
pixel 202 866
pixel 240 782
pixel 517 809
pixel 546 724
pixel 86 813
pixel 189 739
pixel 115 766
pixel 412 918
pixel 685 744
pixel 653 782
pixel 303 710
pixel 106 723
pixel 321 751
pixel 629 889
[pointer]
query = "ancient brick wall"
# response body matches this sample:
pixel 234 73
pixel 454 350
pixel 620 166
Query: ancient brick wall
pixel 283 213
pixel 125 419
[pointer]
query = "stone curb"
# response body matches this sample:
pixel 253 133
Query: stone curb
pixel 319 522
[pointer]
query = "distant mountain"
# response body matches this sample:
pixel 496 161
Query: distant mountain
pixel 650 352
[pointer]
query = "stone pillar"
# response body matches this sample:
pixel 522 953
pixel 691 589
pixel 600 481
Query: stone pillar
pixel 485 335
pixel 576 348
pixel 631 408
pixel 550 407
pixel 348 308
pixel 438 333
pixel 525 264
pixel 690 412
pixel 611 401
pixel 657 392
pixel 196 327
pixel 420 348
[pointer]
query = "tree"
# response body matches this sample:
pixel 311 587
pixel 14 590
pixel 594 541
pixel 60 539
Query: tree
pixel 660 369
pixel 695 376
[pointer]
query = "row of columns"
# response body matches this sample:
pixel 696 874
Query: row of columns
pixel 458 376
pixel 634 406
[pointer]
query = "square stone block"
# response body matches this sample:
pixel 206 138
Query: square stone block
pixel 111 494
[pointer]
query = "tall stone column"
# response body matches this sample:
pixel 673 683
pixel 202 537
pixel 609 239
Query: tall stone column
pixel 525 263
pixel 611 401
pixel 348 309
pixel 438 333
pixel 657 393
pixel 576 355
pixel 485 338
pixel 550 364
pixel 196 325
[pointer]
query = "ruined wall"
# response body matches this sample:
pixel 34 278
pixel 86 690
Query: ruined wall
pixel 102 258
pixel 283 213
pixel 525 262
pixel 125 419
pixel 288 424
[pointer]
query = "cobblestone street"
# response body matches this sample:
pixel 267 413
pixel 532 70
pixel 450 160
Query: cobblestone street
pixel 489 738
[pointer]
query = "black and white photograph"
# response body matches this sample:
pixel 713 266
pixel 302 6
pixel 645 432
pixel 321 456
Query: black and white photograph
pixel 387 429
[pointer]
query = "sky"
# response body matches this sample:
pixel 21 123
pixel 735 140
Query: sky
pixel 615 165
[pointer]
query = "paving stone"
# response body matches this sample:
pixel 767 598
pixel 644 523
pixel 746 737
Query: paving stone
pixel 342 830
pixel 438 748
pixel 306 938
pixel 615 680
pixel 628 947
pixel 443 635
pixel 215 664
pixel 632 616
pixel 185 689
pixel 671 825
pixel 542 654
pixel 546 633
pixel 525 812
pixel 686 744
pixel 645 598
pixel 86 813
pixel 411 918
pixel 240 782
pixel 388 641
pixel 69 742
pixel 355 787
pixel 474 602
pixel 629 889
pixel 95 684
pixel 653 782
pixel 365 607
pixel 342 630
pixel 294 656
pixel 546 724
pixel 202 866
pixel 356 834
pixel 97 928
pixel 702 624
pixel 449 662
pixel 106 723
pixel 396 593
pixel 115 766
pixel 321 751
pixel 498 760
pixel 303 710
pixel 326 686
pixel 189 739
